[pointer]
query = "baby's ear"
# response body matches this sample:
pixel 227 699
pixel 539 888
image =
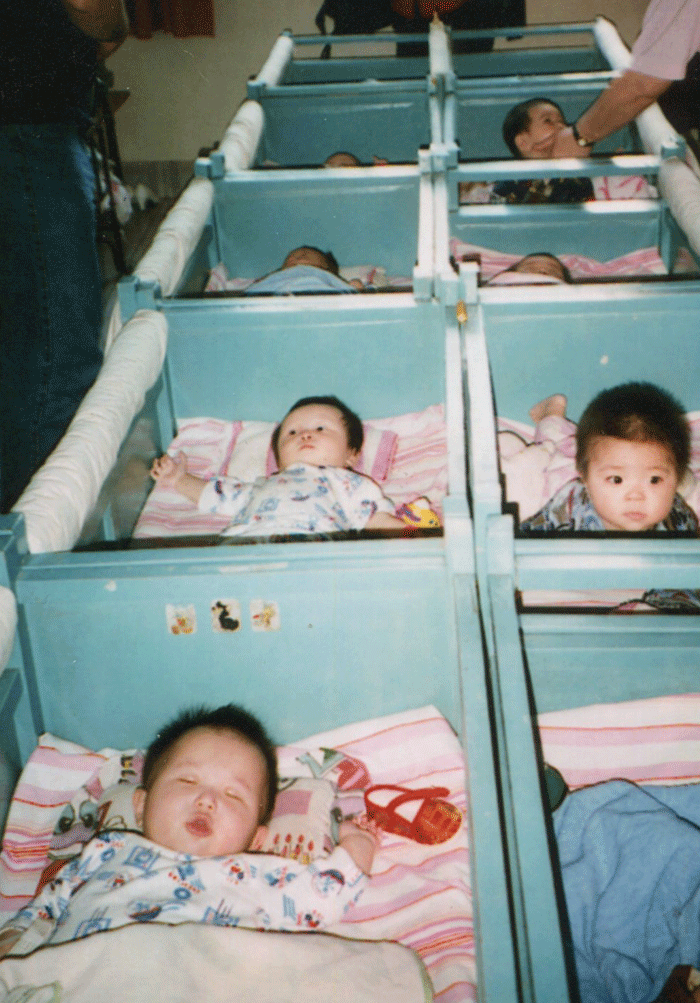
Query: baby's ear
pixel 139 801
pixel 259 838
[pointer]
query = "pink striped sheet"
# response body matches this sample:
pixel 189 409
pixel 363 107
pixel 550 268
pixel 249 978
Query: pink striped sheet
pixel 406 454
pixel 643 261
pixel 419 895
pixel 654 741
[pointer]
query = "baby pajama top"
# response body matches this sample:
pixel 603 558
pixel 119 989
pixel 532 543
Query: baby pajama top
pixel 122 878
pixel 301 499
pixel 571 509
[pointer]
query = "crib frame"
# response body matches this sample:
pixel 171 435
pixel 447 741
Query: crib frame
pixel 337 600
pixel 97 614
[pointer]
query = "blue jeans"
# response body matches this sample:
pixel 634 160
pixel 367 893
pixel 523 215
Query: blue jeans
pixel 50 294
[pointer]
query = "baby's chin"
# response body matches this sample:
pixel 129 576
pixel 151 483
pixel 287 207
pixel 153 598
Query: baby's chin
pixel 631 526
pixel 314 461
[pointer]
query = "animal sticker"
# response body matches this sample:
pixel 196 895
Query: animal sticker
pixel 264 615
pixel 181 619
pixel 225 616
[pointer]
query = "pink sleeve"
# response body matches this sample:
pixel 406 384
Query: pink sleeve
pixel 670 36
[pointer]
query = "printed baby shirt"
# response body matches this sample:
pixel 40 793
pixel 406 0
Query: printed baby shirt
pixel 122 878
pixel 301 499
pixel 571 509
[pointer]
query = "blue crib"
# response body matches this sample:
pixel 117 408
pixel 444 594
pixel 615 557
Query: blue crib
pixel 366 626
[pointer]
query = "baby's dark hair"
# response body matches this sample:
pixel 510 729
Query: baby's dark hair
pixel 343 153
pixel 330 258
pixel 567 276
pixel 638 412
pixel 353 424
pixel 518 120
pixel 226 718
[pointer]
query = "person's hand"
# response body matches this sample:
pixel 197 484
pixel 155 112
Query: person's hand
pixel 359 843
pixel 566 146
pixel 168 470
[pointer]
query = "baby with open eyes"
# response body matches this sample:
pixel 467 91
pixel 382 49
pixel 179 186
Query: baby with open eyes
pixel 530 130
pixel 208 790
pixel 315 489
pixel 632 451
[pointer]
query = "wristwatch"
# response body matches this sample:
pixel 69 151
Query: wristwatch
pixel 578 137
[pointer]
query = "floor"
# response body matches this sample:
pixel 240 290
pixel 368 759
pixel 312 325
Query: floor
pixel 165 182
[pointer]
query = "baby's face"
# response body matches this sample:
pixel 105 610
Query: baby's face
pixel 208 796
pixel 537 141
pixel 631 484
pixel 315 434
pixel 306 256
pixel 541 264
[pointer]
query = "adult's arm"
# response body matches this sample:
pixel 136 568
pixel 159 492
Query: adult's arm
pixel 625 98
pixel 103 20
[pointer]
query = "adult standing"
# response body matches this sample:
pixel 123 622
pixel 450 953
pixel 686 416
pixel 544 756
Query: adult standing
pixel 414 16
pixel 50 281
pixel 669 39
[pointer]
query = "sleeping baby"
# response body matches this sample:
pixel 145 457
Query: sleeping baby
pixel 632 448
pixel 208 789
pixel 305 270
pixel 315 489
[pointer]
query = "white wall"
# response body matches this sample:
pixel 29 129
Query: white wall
pixel 184 92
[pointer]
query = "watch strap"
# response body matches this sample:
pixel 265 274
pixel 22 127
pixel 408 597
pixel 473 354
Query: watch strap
pixel 578 137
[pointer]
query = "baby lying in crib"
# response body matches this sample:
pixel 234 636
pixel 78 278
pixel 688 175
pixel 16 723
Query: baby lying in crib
pixel 305 270
pixel 344 159
pixel 529 131
pixel 209 787
pixel 538 268
pixel 632 447
pixel 314 491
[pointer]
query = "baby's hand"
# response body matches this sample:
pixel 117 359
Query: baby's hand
pixel 167 470
pixel 359 843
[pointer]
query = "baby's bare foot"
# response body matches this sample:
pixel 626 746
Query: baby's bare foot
pixel 554 405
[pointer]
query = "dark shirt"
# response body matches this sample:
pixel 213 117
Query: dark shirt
pixel 47 65
pixel 545 190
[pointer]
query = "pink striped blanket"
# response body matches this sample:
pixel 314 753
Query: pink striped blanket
pixel 644 261
pixel 405 454
pixel 652 741
pixel 419 895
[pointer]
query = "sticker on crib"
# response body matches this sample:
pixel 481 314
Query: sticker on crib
pixel 181 619
pixel 225 616
pixel 264 615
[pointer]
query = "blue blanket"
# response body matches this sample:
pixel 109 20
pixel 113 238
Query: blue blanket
pixel 630 861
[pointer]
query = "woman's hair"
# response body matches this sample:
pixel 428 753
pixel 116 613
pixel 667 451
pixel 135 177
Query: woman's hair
pixel 638 412
pixel 227 718
pixel 518 120
pixel 353 425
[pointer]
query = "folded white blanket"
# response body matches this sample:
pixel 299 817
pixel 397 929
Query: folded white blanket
pixel 211 964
